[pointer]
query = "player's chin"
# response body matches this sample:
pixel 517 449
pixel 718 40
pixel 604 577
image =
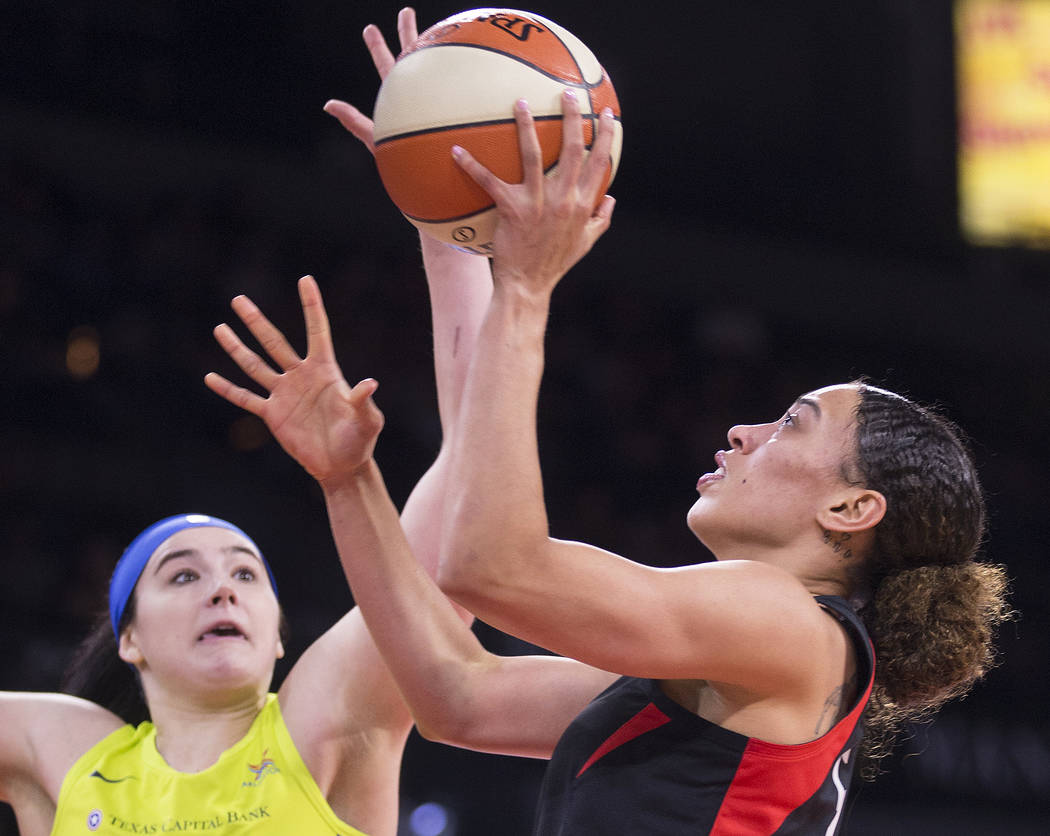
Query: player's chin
pixel 695 516
pixel 707 514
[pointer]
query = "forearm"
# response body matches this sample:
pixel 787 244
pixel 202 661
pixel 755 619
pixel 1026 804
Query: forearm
pixel 460 287
pixel 498 513
pixel 545 226
pixel 429 650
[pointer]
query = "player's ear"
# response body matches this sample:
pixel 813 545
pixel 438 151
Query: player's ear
pixel 128 649
pixel 852 511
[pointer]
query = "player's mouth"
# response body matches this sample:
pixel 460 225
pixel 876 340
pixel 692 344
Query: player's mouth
pixel 716 475
pixel 222 630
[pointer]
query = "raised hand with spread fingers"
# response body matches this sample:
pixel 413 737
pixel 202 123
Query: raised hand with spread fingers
pixel 322 422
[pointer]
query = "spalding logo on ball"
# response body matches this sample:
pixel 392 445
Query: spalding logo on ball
pixel 457 85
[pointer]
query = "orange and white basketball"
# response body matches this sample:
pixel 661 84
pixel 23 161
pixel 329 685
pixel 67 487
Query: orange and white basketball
pixel 457 85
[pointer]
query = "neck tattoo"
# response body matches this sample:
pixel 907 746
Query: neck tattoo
pixel 838 543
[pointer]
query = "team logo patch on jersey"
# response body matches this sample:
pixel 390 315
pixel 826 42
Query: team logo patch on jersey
pixel 97 774
pixel 94 819
pixel 265 767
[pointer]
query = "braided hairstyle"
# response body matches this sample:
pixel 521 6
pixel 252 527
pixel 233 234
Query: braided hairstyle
pixel 931 607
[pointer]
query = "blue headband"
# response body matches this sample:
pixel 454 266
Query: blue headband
pixel 136 556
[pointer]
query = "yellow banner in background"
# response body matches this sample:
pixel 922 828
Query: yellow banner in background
pixel 1003 55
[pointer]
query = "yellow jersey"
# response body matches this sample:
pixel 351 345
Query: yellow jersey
pixel 259 786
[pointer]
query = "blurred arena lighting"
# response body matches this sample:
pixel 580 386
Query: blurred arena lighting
pixel 431 819
pixel 1003 77
pixel 83 352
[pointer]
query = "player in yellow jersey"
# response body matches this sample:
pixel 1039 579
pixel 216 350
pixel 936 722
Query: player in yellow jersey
pixel 198 619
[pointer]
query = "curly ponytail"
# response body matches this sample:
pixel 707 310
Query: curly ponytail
pixel 932 608
pixel 933 628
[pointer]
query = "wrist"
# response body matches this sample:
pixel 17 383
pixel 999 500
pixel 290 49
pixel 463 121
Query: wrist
pixel 440 252
pixel 522 298
pixel 349 481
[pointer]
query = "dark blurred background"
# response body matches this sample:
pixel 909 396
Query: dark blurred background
pixel 787 218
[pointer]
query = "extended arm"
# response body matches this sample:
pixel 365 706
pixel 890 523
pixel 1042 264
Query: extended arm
pixel 460 287
pixel 340 702
pixel 738 622
pixel 457 691
pixel 41 737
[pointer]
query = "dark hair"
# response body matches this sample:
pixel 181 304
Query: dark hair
pixel 931 608
pixel 97 673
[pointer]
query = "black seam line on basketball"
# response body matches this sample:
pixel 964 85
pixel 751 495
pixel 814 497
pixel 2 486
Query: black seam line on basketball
pixel 565 46
pixel 546 171
pixel 579 69
pixel 584 83
pixel 461 125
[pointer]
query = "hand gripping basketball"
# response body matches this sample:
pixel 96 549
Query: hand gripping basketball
pixel 545 224
pixel 456 84
pixel 349 116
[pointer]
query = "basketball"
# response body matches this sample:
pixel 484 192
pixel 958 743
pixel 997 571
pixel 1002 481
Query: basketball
pixel 457 85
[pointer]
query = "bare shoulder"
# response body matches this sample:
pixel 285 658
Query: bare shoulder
pixel 753 590
pixel 770 598
pixel 806 678
pixel 742 622
pixel 341 686
pixel 348 723
pixel 42 735
pixel 340 702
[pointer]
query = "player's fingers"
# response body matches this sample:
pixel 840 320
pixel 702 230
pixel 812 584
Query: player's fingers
pixel 318 330
pixel 571 157
pixel 247 360
pixel 600 221
pixel 529 147
pixel 353 120
pixel 382 57
pixel 407 31
pixel 599 161
pixel 364 390
pixel 361 399
pixel 236 395
pixel 478 173
pixel 266 333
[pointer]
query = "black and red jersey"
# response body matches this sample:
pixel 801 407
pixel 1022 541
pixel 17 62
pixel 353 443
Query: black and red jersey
pixel 635 761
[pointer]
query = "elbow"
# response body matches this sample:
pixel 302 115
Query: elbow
pixel 465 584
pixel 455 722
pixel 435 732
pixel 459 572
pixel 479 558
pixel 478 580
pixel 468 556
pixel 442 730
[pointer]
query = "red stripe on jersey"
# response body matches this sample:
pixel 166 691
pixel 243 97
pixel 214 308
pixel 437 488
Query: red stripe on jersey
pixel 763 793
pixel 646 720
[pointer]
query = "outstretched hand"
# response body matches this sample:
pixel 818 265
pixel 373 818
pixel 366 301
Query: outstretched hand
pixel 349 116
pixel 326 425
pixel 547 223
